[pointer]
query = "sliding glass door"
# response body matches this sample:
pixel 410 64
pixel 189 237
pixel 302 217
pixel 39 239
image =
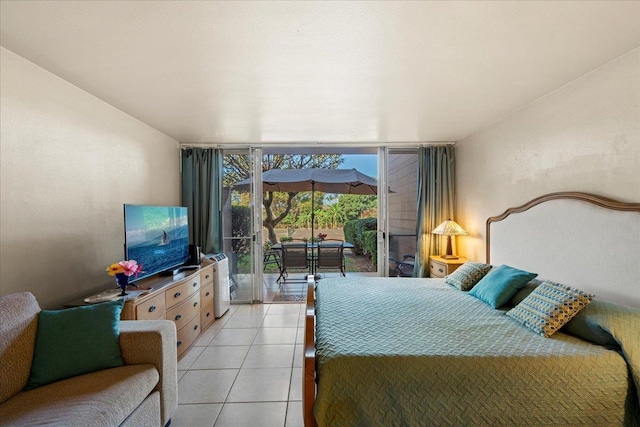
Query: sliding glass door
pixel 242 222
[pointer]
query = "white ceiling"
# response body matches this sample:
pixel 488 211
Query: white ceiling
pixel 319 71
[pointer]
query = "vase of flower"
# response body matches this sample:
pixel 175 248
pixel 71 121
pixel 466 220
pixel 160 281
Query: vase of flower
pixel 122 271
pixel 122 280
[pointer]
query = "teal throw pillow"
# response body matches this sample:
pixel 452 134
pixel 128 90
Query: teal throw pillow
pixel 500 284
pixel 76 341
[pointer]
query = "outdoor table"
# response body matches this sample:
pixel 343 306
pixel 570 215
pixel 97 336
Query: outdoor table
pixel 313 246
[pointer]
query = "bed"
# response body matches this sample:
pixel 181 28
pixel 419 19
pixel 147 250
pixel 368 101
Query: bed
pixel 392 351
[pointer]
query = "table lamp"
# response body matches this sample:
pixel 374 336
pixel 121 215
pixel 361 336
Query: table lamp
pixel 449 228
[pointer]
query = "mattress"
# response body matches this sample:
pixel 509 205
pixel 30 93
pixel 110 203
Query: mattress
pixel 410 352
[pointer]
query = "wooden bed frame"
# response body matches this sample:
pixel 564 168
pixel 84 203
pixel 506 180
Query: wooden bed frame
pixel 586 223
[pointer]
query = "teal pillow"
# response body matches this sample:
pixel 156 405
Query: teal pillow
pixel 76 341
pixel 500 284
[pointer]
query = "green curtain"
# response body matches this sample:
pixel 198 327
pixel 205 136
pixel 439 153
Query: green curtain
pixel 436 196
pixel 201 175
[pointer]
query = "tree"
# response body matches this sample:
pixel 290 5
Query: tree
pixel 352 205
pixel 276 205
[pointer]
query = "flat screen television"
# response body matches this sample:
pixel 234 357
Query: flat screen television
pixel 156 237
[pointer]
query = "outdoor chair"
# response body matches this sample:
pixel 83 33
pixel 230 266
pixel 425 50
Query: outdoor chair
pixel 403 268
pixel 271 257
pixel 294 256
pixel 330 255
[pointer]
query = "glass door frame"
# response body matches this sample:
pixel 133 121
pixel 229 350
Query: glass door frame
pixel 256 223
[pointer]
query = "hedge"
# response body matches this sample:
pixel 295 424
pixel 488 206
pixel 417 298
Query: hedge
pixel 354 232
pixel 370 239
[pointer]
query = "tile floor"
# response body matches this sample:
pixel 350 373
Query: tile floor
pixel 245 370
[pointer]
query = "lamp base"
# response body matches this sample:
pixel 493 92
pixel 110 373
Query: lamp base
pixel 448 257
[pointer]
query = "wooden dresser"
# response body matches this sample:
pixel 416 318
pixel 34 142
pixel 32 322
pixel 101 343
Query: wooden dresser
pixel 186 299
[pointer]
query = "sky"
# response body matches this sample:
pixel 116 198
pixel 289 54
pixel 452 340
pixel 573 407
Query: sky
pixel 365 163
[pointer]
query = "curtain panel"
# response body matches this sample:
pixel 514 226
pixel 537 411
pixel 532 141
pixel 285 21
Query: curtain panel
pixel 201 175
pixel 436 198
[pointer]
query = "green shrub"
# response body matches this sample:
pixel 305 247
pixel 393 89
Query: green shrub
pixel 349 230
pixel 354 232
pixel 240 226
pixel 370 239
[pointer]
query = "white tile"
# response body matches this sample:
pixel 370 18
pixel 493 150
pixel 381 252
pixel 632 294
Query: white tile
pixel 235 337
pixel 295 389
pixel 251 308
pixel 294 415
pixel 261 385
pixel 300 336
pixel 252 320
pixel 188 357
pixel 181 374
pixel 298 356
pixel 275 336
pixel 221 357
pixel 199 415
pixel 267 414
pixel 269 356
pixel 281 321
pixel 205 338
pixel 284 309
pixel 206 386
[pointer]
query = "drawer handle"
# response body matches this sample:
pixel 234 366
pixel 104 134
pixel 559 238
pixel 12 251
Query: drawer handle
pixel 178 343
pixel 195 303
pixel 441 270
pixel 179 316
pixel 208 314
pixel 207 276
pixel 208 293
pixel 195 328
pixel 177 295
pixel 195 284
pixel 152 309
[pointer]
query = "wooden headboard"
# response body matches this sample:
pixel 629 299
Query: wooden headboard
pixel 578 239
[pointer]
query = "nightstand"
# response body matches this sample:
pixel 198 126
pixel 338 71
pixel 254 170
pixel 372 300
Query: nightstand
pixel 440 267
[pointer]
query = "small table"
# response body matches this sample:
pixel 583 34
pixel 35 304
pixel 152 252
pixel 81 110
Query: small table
pixel 440 267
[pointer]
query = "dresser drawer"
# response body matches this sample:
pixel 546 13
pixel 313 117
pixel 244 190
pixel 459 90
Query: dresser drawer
pixel 182 291
pixel 185 311
pixel 206 275
pixel 187 334
pixel 151 309
pixel 436 269
pixel 206 316
pixel 206 294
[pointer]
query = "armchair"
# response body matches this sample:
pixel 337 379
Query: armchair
pixel 142 392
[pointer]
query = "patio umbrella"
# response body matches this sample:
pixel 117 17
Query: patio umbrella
pixel 336 181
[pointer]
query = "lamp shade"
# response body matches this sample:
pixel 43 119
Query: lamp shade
pixel 450 228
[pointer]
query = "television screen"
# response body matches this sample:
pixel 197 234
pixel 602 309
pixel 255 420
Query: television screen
pixel 156 237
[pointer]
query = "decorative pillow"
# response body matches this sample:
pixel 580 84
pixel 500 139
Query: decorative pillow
pixel 76 341
pixel 523 292
pixel 549 307
pixel 595 322
pixel 500 284
pixel 467 275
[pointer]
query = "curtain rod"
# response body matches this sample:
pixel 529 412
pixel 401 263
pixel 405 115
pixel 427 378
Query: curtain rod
pixel 186 145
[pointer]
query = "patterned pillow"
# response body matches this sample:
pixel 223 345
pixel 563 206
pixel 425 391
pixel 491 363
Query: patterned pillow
pixel 467 275
pixel 549 307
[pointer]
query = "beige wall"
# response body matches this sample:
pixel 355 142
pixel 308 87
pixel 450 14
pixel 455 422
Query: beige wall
pixel 582 137
pixel 68 163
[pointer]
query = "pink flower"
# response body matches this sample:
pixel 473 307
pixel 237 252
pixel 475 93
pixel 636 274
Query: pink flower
pixel 130 267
